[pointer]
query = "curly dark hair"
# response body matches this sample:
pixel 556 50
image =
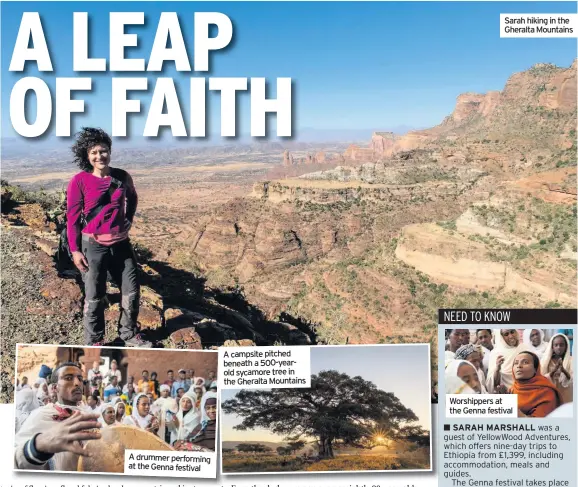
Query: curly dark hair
pixel 87 138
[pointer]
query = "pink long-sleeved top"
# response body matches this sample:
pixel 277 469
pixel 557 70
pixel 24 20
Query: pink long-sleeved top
pixel 113 222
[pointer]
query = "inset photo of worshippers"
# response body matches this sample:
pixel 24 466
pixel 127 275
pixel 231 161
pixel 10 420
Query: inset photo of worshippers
pixel 536 364
pixel 367 409
pixel 79 409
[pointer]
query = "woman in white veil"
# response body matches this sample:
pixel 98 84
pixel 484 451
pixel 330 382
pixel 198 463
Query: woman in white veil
pixel 165 408
pixel 507 346
pixel 556 365
pixel 140 416
pixel 42 393
pixel 187 419
pixel 119 405
pixel 26 402
pixel 461 377
pixel 107 416
pixel 537 349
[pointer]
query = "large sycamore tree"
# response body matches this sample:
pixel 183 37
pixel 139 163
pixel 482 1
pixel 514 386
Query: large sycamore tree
pixel 337 410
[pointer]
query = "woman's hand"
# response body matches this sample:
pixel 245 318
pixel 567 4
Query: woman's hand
pixel 499 361
pixel 501 389
pixel 80 261
pixel 557 370
pixel 497 373
pixel 154 426
pixel 564 371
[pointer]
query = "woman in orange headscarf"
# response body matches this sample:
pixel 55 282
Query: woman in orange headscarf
pixel 537 396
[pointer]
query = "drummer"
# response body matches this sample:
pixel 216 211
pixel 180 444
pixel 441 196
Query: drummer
pixel 52 437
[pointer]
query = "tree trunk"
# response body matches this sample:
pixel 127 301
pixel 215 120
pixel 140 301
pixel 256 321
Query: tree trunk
pixel 325 447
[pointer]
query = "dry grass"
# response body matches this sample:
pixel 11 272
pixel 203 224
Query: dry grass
pixel 416 460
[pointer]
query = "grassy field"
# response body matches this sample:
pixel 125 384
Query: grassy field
pixel 417 460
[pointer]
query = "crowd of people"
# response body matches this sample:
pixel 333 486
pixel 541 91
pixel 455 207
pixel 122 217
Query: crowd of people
pixel 535 364
pixel 181 411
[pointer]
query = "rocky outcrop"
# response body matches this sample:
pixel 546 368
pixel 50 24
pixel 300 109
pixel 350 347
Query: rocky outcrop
pixel 466 105
pixel 489 103
pixel 559 93
pixel 357 153
pixel 542 87
pixel 382 143
pixel 454 259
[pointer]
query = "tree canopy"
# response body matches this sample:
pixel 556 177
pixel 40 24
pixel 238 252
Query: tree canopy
pixel 336 409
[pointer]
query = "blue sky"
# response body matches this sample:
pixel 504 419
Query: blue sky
pixel 400 369
pixel 355 65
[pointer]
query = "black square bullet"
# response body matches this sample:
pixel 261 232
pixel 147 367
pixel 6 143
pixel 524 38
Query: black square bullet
pixel 446 427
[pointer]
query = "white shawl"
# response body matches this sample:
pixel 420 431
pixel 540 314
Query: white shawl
pixel 187 422
pixel 135 419
pixel 40 420
pixel 509 353
pixel 26 402
pixel 453 383
pixel 101 417
pixel 162 406
pixel 191 392
pixel 209 395
pixel 116 402
pixel 566 362
pixel 540 349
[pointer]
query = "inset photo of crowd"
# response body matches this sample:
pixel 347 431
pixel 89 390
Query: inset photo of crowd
pixel 79 409
pixel 536 364
pixel 363 411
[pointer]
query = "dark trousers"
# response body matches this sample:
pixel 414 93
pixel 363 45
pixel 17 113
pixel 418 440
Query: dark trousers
pixel 120 261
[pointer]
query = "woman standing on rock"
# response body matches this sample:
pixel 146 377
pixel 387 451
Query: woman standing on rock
pixel 101 204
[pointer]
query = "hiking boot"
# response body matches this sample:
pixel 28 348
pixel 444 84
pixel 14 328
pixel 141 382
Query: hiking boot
pixel 138 341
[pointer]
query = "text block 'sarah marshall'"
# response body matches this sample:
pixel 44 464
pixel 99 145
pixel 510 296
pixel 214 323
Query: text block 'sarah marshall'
pixel 507 408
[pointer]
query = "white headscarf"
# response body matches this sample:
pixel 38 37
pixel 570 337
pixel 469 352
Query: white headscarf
pixel 509 353
pixel 187 422
pixel 204 416
pixel 453 383
pixel 116 402
pixel 42 394
pixel 135 418
pixel 540 349
pixel 191 392
pixel 213 385
pixel 101 417
pixel 566 361
pixel 448 357
pixel 26 402
pixel 163 406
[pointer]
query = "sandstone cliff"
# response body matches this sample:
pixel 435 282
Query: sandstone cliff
pixel 528 96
